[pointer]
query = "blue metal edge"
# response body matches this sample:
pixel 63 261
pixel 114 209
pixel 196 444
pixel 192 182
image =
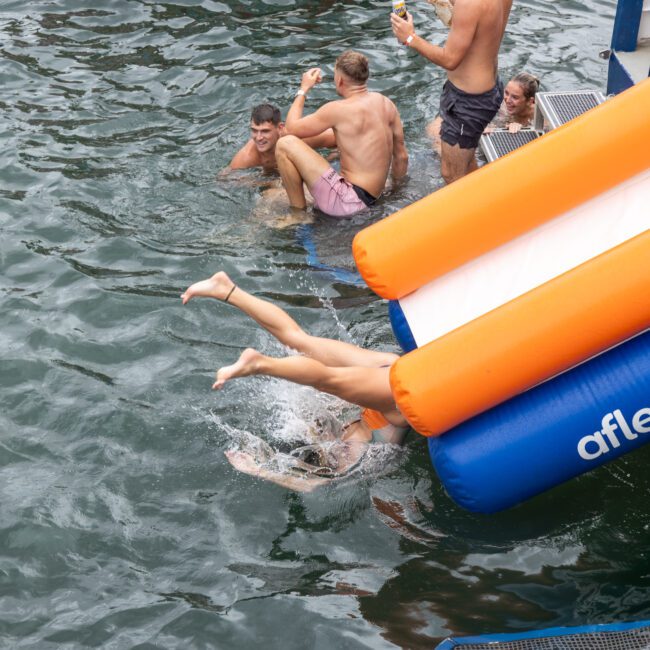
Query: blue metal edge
pixel 400 325
pixel 626 25
pixel 618 78
pixel 454 642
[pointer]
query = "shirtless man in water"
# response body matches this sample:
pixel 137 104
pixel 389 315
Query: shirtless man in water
pixel 472 93
pixel 267 128
pixel 368 134
pixel 351 373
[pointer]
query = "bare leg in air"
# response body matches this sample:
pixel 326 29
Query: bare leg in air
pixel 341 369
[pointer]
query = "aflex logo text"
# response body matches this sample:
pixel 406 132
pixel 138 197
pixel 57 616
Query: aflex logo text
pixel 599 443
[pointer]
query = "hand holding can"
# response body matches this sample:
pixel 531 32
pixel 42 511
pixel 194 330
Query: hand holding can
pixel 399 8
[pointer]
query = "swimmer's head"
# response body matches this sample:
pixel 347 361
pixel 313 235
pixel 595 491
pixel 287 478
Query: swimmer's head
pixel 266 113
pixel 353 66
pixel 519 93
pixel 266 126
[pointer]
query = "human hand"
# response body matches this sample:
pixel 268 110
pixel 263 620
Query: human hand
pixel 310 78
pixel 243 462
pixel 402 28
pixel 514 127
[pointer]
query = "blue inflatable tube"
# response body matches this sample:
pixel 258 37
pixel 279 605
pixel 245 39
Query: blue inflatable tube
pixel 564 427
pixel 401 327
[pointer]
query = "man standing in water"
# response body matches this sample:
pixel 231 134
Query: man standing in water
pixel 472 93
pixel 267 128
pixel 368 134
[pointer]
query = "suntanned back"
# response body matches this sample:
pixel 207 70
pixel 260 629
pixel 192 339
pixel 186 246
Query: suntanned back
pixel 364 135
pixel 478 70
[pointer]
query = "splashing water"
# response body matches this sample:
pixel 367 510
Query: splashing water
pixel 302 436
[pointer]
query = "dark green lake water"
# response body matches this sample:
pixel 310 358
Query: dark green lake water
pixel 122 525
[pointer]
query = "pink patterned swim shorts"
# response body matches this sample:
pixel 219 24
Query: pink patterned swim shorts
pixel 336 197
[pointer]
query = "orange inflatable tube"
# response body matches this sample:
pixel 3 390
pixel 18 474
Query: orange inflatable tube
pixel 538 335
pixel 537 183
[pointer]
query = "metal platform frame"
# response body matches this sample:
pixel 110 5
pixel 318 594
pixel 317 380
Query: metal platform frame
pixel 552 109
pixel 499 142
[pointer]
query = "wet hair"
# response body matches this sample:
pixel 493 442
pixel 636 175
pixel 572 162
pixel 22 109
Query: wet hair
pixel 354 66
pixel 528 82
pixel 266 113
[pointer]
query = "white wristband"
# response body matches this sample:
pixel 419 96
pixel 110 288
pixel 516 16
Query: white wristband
pixel 409 39
pixel 301 93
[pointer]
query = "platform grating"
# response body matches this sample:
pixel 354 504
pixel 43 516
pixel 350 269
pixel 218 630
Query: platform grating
pixel 498 143
pixel 505 142
pixel 569 106
pixel 633 639
pixel 554 109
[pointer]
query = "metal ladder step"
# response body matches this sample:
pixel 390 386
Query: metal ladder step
pixel 499 142
pixel 553 109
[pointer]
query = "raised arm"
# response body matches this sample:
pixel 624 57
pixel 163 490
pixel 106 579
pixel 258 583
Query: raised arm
pixel 326 140
pixel 314 124
pixel 461 35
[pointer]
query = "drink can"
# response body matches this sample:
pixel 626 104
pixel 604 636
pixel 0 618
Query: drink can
pixel 399 8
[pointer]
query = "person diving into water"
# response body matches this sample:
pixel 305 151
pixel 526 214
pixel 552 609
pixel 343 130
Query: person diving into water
pixel 351 373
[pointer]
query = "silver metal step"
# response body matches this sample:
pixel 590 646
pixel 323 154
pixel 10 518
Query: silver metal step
pixel 499 142
pixel 555 108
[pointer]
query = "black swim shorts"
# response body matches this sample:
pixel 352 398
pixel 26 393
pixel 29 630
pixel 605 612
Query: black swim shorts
pixel 465 116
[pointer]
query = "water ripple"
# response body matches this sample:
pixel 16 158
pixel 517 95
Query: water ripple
pixel 123 523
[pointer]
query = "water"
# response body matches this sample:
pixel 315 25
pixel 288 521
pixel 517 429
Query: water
pixel 122 524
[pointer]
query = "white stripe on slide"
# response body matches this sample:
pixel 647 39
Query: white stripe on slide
pixel 529 261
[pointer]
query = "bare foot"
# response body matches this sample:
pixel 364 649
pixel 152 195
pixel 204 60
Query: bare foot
pixel 295 216
pixel 218 286
pixel 244 366
pixel 243 462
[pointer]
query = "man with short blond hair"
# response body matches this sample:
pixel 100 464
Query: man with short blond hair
pixel 369 137
pixel 354 65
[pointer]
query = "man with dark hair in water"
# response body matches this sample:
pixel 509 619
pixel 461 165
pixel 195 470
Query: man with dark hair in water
pixel 267 128
pixel 368 134
pixel 351 373
pixel 473 92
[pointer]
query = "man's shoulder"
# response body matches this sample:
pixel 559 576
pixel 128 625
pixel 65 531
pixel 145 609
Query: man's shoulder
pixel 384 102
pixel 379 96
pixel 333 104
pixel 471 9
pixel 247 156
pixel 383 98
pixel 375 97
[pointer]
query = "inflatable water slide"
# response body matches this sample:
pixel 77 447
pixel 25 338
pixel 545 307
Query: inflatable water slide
pixel 521 296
